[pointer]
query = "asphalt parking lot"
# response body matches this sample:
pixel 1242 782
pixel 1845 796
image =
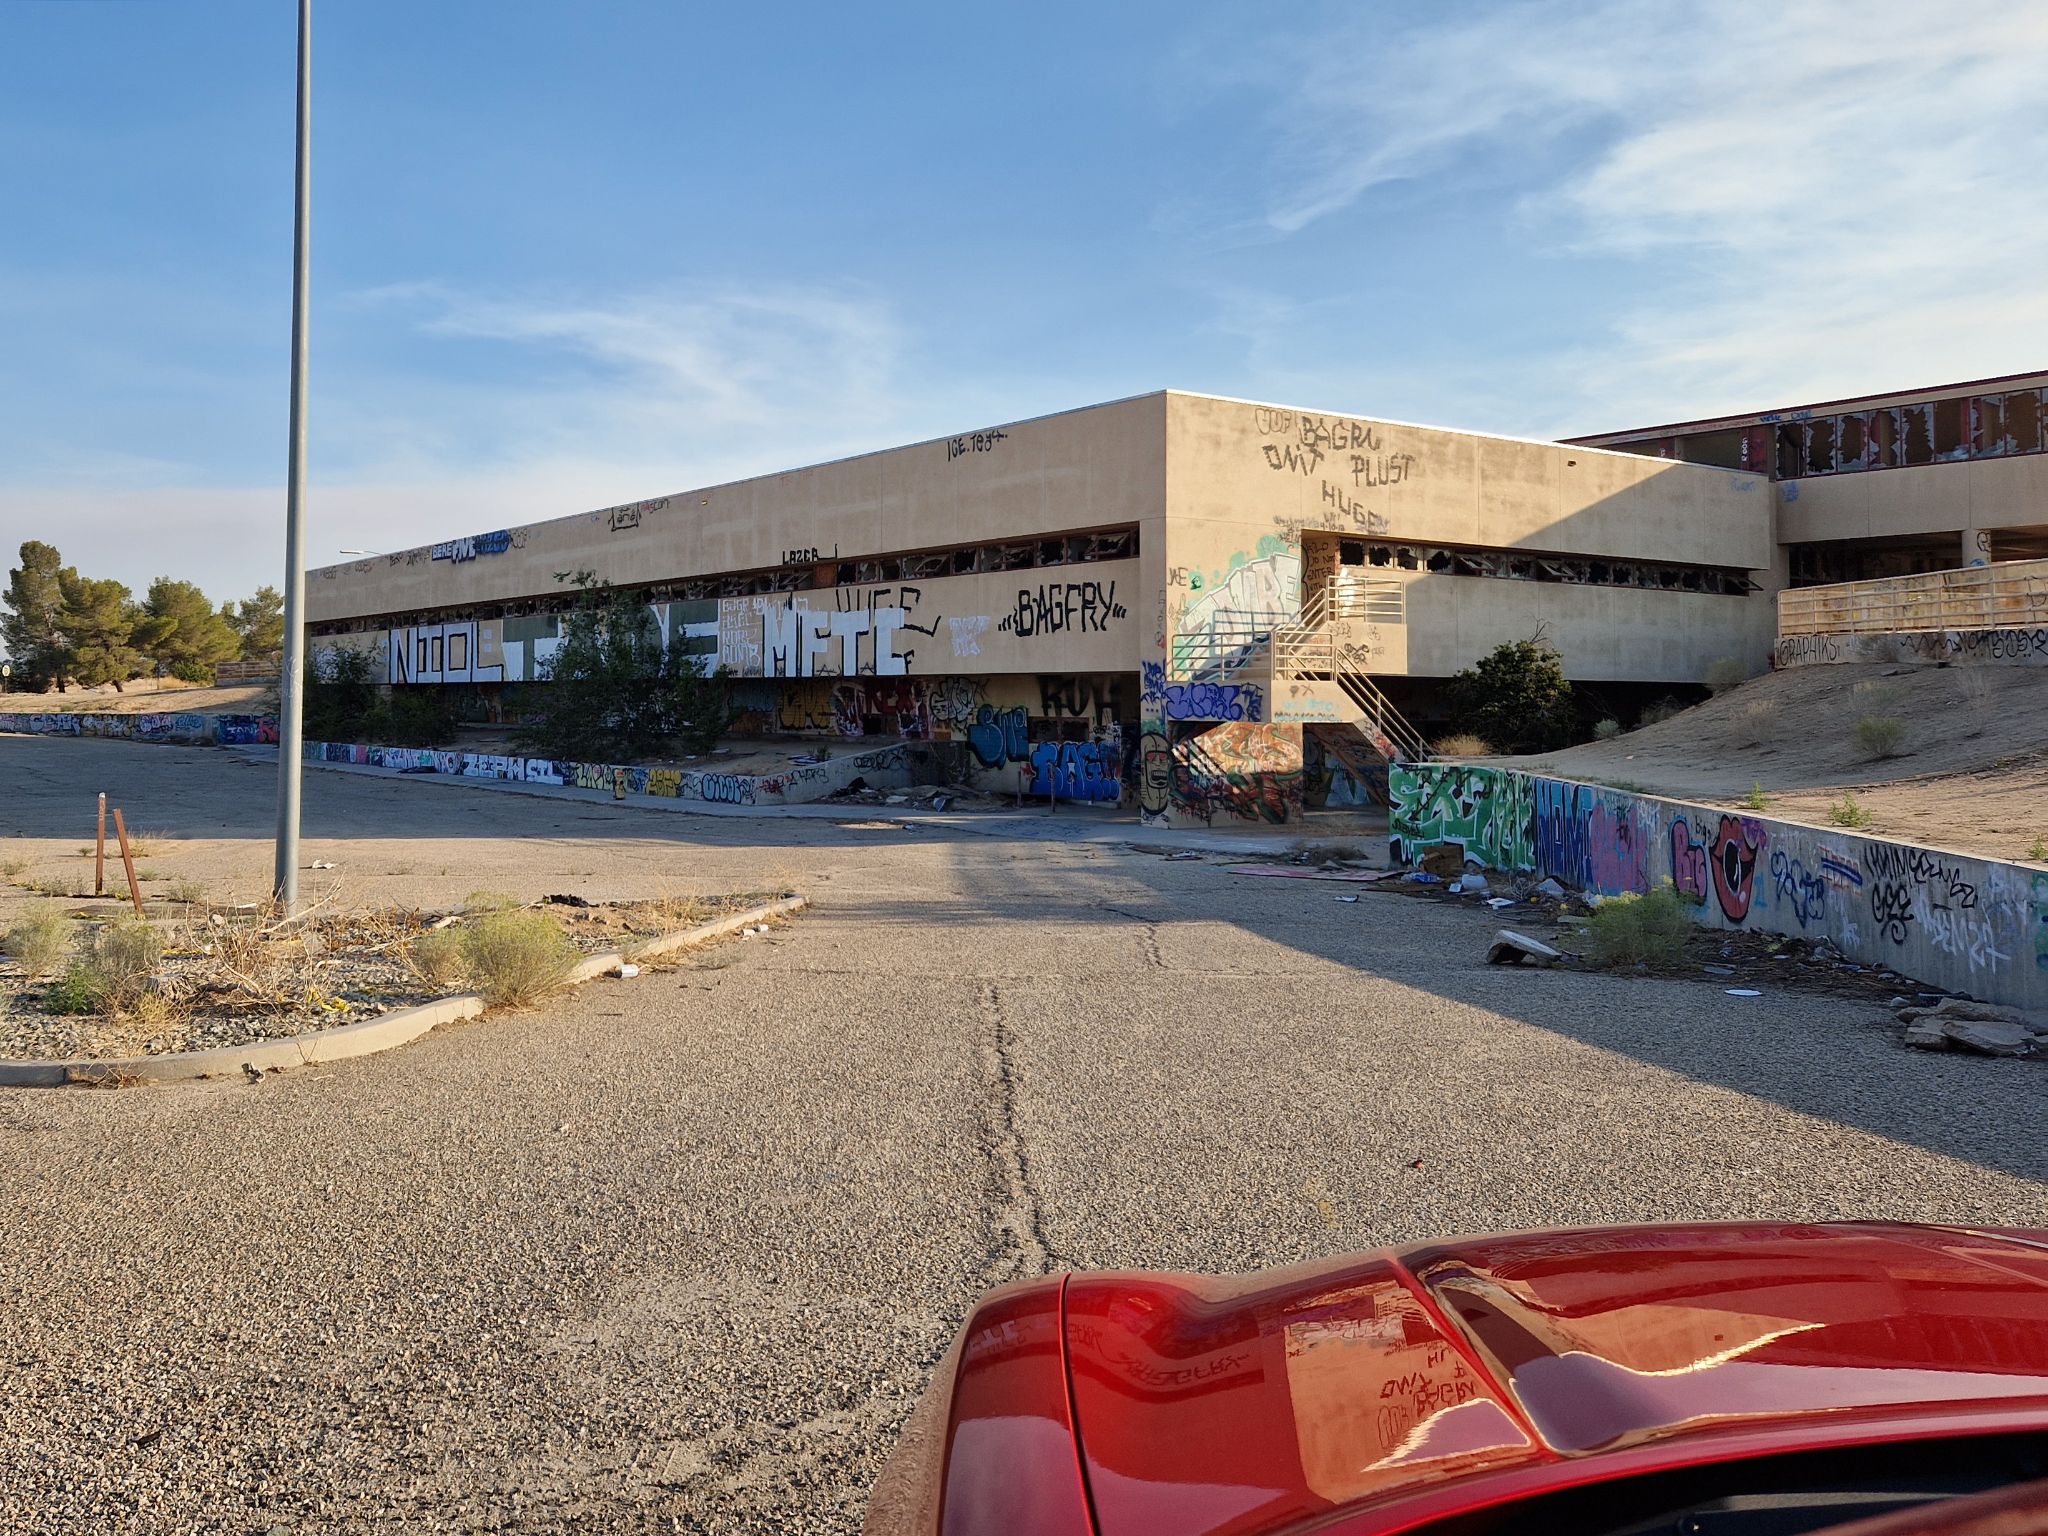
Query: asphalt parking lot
pixel 676 1253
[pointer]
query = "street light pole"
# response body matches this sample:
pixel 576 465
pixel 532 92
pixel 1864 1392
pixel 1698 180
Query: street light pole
pixel 292 678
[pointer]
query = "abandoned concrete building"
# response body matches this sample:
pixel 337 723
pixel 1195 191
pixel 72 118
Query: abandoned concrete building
pixel 1220 607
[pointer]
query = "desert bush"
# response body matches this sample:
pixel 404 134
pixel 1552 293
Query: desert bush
pixel 1606 730
pixel 1664 709
pixel 38 941
pixel 489 901
pixel 1755 723
pixel 1652 929
pixel 1756 799
pixel 1880 736
pixel 1724 673
pixel 516 957
pixel 439 959
pixel 1463 744
pixel 1848 812
pixel 112 975
pixel 2039 852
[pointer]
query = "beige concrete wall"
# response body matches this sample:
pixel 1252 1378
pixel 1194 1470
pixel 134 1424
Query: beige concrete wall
pixel 1926 498
pixel 1098 467
pixel 1245 481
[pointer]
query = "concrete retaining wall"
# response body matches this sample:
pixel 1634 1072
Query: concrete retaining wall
pixel 887 767
pixel 1962 647
pixel 1958 922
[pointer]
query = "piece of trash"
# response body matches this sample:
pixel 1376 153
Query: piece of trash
pixel 1497 902
pixel 323 864
pixel 1718 970
pixel 1456 887
pixel 629 971
pixel 1743 992
pixel 1176 857
pixel 1422 877
pixel 1347 898
pixel 1511 948
pixel 1416 1164
pixel 1549 887
pixel 1475 883
pixel 565 901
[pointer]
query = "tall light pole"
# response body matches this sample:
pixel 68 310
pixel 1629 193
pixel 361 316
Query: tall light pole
pixel 291 699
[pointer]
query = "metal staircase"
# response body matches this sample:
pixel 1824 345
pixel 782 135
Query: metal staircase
pixel 1314 647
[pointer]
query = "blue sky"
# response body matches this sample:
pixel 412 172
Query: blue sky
pixel 572 254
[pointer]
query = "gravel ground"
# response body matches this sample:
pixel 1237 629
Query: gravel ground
pixel 675 1254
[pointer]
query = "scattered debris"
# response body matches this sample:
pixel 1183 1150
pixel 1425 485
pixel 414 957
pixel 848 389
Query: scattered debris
pixel 1422 877
pixel 628 970
pixel 1497 902
pixel 1550 888
pixel 566 901
pixel 1347 898
pixel 1963 1023
pixel 1511 948
pixel 1291 872
pixel 1742 992
pixel 1718 970
pixel 323 864
pixel 1988 1038
pixel 1175 858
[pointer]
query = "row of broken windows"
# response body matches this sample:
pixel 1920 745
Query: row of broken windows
pixel 1516 565
pixel 1947 431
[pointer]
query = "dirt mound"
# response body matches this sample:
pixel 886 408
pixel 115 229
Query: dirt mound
pixel 147 696
pixel 1971 770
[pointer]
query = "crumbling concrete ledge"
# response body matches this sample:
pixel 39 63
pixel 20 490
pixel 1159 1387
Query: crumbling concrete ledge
pixel 365 1038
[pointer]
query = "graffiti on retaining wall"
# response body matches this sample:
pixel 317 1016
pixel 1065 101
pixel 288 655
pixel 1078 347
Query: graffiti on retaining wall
pixel 1488 812
pixel 1948 919
pixel 1940 647
pixel 1155 754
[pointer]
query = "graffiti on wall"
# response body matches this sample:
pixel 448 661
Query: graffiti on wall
pixel 1077 770
pixel 1062 607
pixel 1215 701
pixel 1340 770
pixel 1155 755
pixel 1488 812
pixel 1240 772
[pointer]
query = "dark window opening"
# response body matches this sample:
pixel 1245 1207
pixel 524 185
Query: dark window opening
pixel 1987 427
pixel 1951 430
pixel 1820 446
pixel 1439 560
pixel 1852 442
pixel 1350 552
pixel 1791 451
pixel 2023 420
pixel 1884 439
pixel 1916 431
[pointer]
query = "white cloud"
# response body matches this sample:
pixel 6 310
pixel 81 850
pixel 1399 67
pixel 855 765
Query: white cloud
pixel 590 403
pixel 1830 196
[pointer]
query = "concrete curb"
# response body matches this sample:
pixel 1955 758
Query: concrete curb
pixel 366 1038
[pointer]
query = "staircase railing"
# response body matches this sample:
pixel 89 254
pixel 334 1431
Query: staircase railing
pixel 1308 646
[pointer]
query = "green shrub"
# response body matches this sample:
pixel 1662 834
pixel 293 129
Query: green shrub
pixel 1756 799
pixel 1516 697
pixel 1880 736
pixel 489 901
pixel 2039 852
pixel 1657 713
pixel 517 957
pixel 1724 673
pixel 1653 929
pixel 1847 812
pixel 120 960
pixel 38 941
pixel 73 992
pixel 1606 730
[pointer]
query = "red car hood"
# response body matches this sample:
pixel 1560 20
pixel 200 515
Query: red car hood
pixel 1207 1405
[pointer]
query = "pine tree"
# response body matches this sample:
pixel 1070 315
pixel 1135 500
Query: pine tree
pixel 259 620
pixel 180 631
pixel 97 622
pixel 29 626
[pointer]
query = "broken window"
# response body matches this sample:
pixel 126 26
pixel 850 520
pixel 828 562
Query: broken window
pixel 1439 560
pixel 1724 450
pixel 1052 551
pixel 1820 446
pixel 922 567
pixel 963 561
pixel 1406 559
pixel 2023 421
pixel 1791 450
pixel 1951 430
pixel 1350 552
pixel 1987 427
pixel 1379 554
pixel 1852 441
pixel 1916 434
pixel 1882 449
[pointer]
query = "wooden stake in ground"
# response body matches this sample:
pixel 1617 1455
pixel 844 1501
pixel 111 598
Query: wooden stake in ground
pixel 128 861
pixel 99 852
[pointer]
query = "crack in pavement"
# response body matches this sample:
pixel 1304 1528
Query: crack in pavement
pixel 1019 1250
pixel 1148 933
